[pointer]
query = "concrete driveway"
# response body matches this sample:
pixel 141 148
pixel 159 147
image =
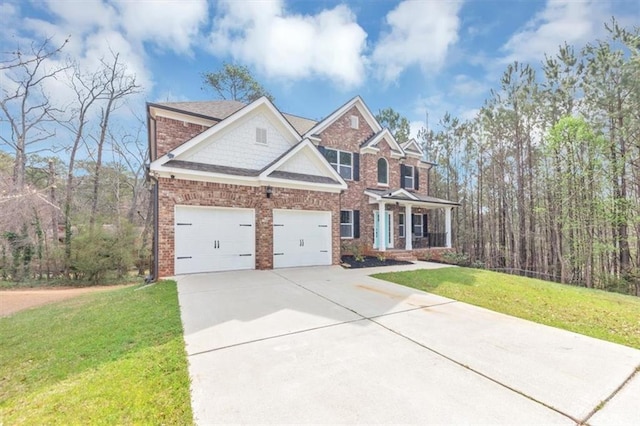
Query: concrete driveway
pixel 328 345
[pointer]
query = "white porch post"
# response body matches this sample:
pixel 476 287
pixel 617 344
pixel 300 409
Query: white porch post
pixel 447 225
pixel 408 243
pixel 382 224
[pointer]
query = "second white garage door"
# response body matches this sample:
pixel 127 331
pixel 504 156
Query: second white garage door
pixel 301 238
pixel 209 239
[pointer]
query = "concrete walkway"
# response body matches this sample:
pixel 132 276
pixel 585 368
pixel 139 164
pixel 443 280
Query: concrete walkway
pixel 329 345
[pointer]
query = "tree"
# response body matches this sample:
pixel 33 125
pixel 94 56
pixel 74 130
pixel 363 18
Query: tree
pixel 397 124
pixel 235 82
pixel 24 105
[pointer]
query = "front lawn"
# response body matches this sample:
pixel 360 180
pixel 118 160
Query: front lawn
pixel 105 358
pixel 608 316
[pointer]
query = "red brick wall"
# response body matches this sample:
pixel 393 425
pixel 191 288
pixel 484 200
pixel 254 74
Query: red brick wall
pixel 192 193
pixel 170 134
pixel 341 136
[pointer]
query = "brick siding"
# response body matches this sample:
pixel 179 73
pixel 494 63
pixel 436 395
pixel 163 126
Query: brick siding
pixel 170 133
pixel 174 192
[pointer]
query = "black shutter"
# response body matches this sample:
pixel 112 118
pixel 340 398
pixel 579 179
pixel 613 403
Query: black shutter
pixel 356 224
pixel 322 151
pixel 416 179
pixel 411 226
pixel 356 166
pixel 425 232
pixel 401 175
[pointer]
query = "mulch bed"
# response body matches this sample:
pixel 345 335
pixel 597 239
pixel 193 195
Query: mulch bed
pixel 371 262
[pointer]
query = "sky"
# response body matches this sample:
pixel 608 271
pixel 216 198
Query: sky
pixel 416 56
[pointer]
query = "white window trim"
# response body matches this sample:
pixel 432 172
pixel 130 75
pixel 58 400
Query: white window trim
pixel 386 184
pixel 354 122
pixel 402 226
pixel 261 131
pixel 413 224
pixel 413 178
pixel 337 165
pixel 346 223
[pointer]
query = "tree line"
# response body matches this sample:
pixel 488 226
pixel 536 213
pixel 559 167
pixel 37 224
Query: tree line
pixel 73 198
pixel 548 172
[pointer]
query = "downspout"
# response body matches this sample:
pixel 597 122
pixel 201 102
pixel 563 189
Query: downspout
pixel 154 245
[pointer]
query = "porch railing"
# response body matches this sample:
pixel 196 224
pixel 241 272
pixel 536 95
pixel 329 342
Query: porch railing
pixel 432 239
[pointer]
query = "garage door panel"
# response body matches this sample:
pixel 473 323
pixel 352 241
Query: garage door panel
pixel 211 239
pixel 301 238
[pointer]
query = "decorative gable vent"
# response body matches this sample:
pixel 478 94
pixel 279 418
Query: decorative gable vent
pixel 354 122
pixel 261 135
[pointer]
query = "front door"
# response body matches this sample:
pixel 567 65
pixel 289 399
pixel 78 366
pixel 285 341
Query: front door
pixel 388 229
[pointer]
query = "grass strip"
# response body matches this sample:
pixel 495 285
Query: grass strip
pixel 103 358
pixel 607 316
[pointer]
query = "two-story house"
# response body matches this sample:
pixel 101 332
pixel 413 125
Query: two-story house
pixel 245 186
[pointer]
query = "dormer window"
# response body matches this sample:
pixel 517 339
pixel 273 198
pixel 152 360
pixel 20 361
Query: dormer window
pixel 354 122
pixel 261 135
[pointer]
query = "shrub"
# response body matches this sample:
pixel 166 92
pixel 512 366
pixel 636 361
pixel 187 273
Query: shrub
pixel 97 252
pixel 454 258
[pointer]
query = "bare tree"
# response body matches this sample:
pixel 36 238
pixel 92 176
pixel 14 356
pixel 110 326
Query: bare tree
pixel 118 85
pixel 25 106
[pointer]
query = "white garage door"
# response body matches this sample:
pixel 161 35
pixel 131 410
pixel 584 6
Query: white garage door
pixel 301 238
pixel 211 239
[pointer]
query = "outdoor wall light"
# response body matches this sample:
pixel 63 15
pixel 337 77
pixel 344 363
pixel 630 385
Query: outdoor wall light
pixel 268 191
pixel 170 155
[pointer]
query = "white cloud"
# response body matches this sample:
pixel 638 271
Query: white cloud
pixel 464 85
pixel 168 24
pixel 575 22
pixel 420 33
pixel 291 46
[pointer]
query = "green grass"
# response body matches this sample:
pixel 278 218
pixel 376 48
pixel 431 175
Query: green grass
pixel 115 357
pixel 608 316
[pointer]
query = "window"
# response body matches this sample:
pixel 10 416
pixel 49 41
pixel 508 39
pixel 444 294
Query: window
pixel 401 225
pixel 407 177
pixel 346 223
pixel 383 175
pixel 354 122
pixel 342 161
pixel 261 135
pixel 417 225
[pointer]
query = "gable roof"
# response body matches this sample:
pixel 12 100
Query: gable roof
pixel 413 146
pixel 220 109
pixel 384 133
pixel 358 103
pixel 327 178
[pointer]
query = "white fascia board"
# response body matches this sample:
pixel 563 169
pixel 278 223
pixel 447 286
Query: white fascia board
pixel 296 184
pixel 373 195
pixel 359 103
pixel 227 122
pixel 413 142
pixel 386 133
pixel 308 145
pixel 397 155
pixel 369 150
pixel 174 115
pixel 186 174
pixel 404 192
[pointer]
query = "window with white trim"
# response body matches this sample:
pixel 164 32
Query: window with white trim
pixel 417 225
pixel 383 172
pixel 354 122
pixel 261 135
pixel 408 177
pixel 342 161
pixel 401 225
pixel 346 223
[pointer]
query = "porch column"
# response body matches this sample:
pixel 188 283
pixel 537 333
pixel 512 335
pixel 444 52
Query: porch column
pixel 447 225
pixel 408 243
pixel 382 225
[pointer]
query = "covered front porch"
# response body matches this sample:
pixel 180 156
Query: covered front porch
pixel 412 224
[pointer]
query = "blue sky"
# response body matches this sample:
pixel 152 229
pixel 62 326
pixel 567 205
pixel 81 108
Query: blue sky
pixel 414 56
